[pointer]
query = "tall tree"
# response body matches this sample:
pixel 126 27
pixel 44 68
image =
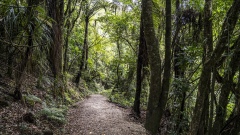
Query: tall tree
pixel 178 70
pixel 28 52
pixel 153 109
pixel 232 125
pixel 167 60
pixel 89 11
pixel 70 22
pixel 55 11
pixel 136 106
pixel 153 115
pixel 208 48
pixel 227 87
pixel 158 91
pixel 226 33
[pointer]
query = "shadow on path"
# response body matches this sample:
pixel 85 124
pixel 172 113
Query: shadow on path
pixel 97 116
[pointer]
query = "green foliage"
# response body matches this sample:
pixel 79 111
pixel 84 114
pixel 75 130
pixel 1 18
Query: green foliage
pixel 106 92
pixel 95 86
pixel 113 46
pixel 197 4
pixel 219 11
pixel 118 97
pixel 230 108
pixel 68 98
pixel 122 99
pixel 55 115
pixel 31 99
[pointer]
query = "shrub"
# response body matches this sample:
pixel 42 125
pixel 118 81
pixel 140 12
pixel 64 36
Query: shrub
pixel 55 115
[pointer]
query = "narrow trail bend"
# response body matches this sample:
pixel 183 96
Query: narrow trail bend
pixel 97 116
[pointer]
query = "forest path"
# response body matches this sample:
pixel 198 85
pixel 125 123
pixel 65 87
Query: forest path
pixel 97 116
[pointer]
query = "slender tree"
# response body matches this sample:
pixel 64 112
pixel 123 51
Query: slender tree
pixel 232 125
pixel 226 33
pixel 153 115
pixel 208 48
pixel 167 60
pixel 226 88
pixel 136 106
pixel 55 11
pixel 28 52
pixel 156 103
pixel 89 11
pixel 178 70
pixel 69 25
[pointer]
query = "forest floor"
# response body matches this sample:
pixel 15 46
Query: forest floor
pixel 97 116
pixel 38 113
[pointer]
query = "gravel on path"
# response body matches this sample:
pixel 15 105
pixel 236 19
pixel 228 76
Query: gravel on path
pixel 97 116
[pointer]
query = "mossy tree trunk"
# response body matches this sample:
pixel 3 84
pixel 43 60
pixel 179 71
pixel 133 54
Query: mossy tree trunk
pixel 158 90
pixel 84 52
pixel 136 106
pixel 228 86
pixel 226 34
pixel 208 48
pixel 69 25
pixel 179 72
pixel 28 52
pixel 167 60
pixel 153 115
pixel 55 11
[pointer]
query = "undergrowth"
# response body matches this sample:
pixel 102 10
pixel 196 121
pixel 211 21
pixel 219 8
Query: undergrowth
pixel 124 99
pixel 119 98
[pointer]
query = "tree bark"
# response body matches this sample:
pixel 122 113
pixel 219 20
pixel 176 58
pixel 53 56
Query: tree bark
pixel 118 65
pixel 55 11
pixel 232 125
pixel 27 56
pixel 167 61
pixel 208 48
pixel 65 65
pixel 70 23
pixel 226 88
pixel 178 71
pixel 84 52
pixel 153 115
pixel 136 106
pixel 227 30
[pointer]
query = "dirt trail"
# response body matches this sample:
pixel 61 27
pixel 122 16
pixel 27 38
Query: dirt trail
pixel 97 116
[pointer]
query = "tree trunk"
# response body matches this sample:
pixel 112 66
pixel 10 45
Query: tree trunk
pixel 211 108
pixel 118 65
pixel 65 65
pixel 127 85
pixel 10 55
pixel 136 106
pixel 55 11
pixel 226 88
pixel 153 115
pixel 27 56
pixel 208 48
pixel 84 52
pixel 70 23
pixel 232 125
pixel 227 30
pixel 167 61
pixel 178 72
